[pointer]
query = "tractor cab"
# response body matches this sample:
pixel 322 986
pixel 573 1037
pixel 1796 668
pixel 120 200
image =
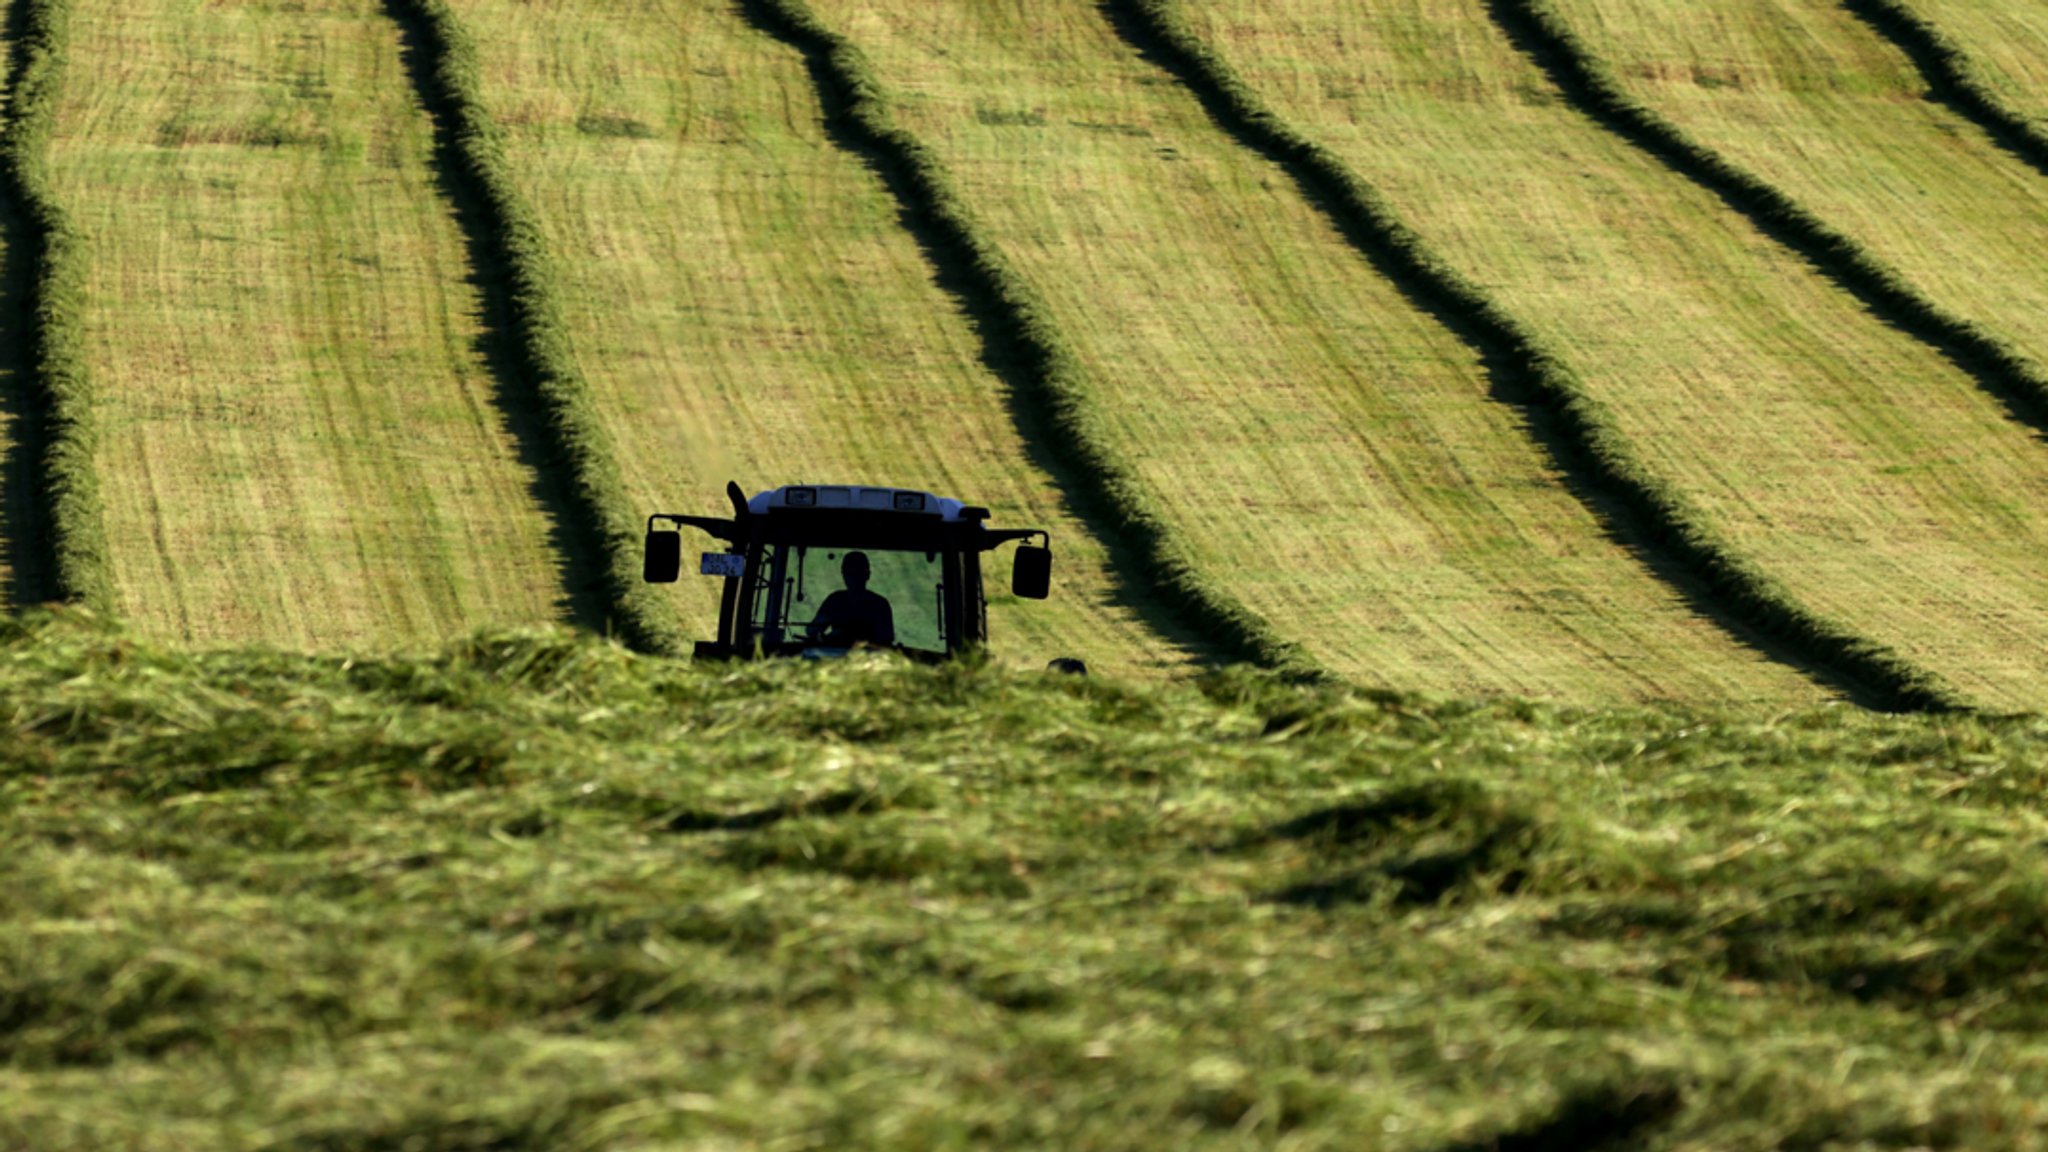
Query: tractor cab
pixel 819 569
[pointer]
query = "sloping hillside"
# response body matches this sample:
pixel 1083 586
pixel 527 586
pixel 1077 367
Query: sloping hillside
pixel 301 439
pixel 1484 349
pixel 1326 449
pixel 1878 483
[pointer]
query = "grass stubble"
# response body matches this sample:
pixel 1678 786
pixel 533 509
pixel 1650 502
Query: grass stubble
pixel 1312 446
pixel 746 303
pixel 1989 59
pixel 1853 465
pixel 534 891
pixel 297 438
pixel 1907 204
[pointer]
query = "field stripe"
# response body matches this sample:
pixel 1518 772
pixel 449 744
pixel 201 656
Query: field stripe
pixel 57 422
pixel 300 442
pixel 853 92
pixel 1746 591
pixel 2005 373
pixel 578 437
pixel 1954 77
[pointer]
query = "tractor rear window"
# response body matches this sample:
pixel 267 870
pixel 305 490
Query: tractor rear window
pixel 836 597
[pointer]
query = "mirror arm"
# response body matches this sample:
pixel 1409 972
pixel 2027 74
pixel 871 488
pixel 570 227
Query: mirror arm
pixel 726 530
pixel 994 538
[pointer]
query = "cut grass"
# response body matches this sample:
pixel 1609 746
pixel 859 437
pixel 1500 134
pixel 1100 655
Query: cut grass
pixel 2002 47
pixel 54 533
pixel 746 303
pixel 511 257
pixel 298 438
pixel 536 892
pixel 1903 197
pixel 1325 451
pixel 1843 459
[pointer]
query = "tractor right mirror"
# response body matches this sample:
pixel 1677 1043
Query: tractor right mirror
pixel 664 557
pixel 1031 573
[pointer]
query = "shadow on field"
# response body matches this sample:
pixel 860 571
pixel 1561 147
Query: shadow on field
pixel 1835 257
pixel 1003 352
pixel 1603 1116
pixel 515 386
pixel 1434 841
pixel 840 803
pixel 27 545
pixel 1947 84
pixel 1511 379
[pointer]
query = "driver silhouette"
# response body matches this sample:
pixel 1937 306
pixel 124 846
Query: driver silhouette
pixel 854 615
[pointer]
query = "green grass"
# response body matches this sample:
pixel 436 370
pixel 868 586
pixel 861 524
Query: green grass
pixel 298 436
pixel 745 303
pixel 58 544
pixel 1877 483
pixel 1831 125
pixel 1322 450
pixel 533 891
pixel 2002 51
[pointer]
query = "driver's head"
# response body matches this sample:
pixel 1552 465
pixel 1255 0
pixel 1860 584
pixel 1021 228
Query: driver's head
pixel 855 569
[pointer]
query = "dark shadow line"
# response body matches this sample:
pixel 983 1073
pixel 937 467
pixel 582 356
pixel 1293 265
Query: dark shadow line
pixel 1510 376
pixel 515 383
pixel 846 801
pixel 1947 84
pixel 1592 1118
pixel 1004 351
pixel 27 513
pixel 1837 258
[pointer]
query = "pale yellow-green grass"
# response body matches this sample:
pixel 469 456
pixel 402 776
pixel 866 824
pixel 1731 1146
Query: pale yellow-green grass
pixel 1328 452
pixel 1877 482
pixel 1813 101
pixel 2006 41
pixel 746 304
pixel 299 442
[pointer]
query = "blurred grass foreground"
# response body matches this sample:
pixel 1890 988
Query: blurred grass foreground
pixel 535 892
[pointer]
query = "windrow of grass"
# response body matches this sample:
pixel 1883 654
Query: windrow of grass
pixel 1989 58
pixel 298 437
pixel 1324 448
pixel 1819 131
pixel 534 891
pixel 509 243
pixel 1048 377
pixel 1953 76
pixel 1583 434
pixel 55 536
pixel 1868 476
pixel 746 301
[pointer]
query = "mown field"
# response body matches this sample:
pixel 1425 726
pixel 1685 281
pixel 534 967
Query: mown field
pixel 746 305
pixel 1552 491
pixel 536 892
pixel 1743 375
pixel 299 438
pixel 2002 46
pixel 1328 451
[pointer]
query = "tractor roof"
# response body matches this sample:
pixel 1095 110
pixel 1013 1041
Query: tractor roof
pixel 854 497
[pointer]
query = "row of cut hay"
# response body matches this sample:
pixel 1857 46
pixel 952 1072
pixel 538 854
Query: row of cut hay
pixel 643 617
pixel 1748 593
pixel 851 94
pixel 1953 76
pixel 57 382
pixel 2000 369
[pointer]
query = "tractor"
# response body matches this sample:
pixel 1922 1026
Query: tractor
pixel 818 570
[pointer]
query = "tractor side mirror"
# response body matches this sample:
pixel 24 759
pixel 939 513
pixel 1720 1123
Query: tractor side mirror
pixel 664 557
pixel 1031 573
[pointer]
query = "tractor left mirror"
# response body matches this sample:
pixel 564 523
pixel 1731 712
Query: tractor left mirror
pixel 1031 573
pixel 664 557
